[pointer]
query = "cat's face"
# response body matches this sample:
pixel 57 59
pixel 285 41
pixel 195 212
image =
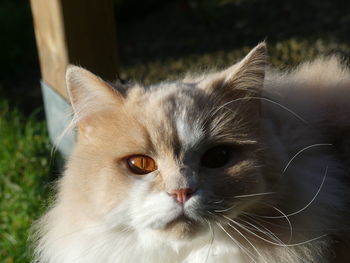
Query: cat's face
pixel 171 157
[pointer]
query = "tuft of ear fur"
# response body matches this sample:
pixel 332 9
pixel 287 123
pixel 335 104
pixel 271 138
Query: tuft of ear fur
pixel 243 79
pixel 89 94
pixel 240 85
pixel 248 75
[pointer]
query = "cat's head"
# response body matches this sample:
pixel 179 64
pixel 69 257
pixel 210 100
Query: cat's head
pixel 169 158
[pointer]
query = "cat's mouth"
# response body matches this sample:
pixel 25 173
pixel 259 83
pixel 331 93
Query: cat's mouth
pixel 182 226
pixel 182 218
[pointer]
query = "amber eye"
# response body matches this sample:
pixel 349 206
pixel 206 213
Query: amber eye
pixel 141 164
pixel 216 157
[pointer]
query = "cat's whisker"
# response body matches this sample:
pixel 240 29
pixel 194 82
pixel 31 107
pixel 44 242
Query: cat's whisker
pixel 264 99
pixel 211 240
pixel 219 205
pixel 242 196
pixel 315 229
pixel 314 198
pixel 258 217
pixel 270 234
pixel 253 195
pixel 246 251
pixel 214 216
pixel 251 232
pixel 266 231
pixel 271 242
pixel 218 202
pixel 225 210
pixel 249 242
pixel 258 221
pixel 301 151
pixel 303 208
pixel 283 216
pixel 244 228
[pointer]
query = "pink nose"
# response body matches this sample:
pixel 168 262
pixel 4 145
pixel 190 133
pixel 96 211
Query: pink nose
pixel 182 195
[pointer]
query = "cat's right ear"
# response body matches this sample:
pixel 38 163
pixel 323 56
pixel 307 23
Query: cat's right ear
pixel 243 79
pixel 89 95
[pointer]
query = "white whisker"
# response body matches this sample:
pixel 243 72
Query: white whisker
pixel 250 243
pixel 302 150
pixel 274 243
pixel 242 196
pixel 265 99
pixel 283 216
pixel 211 240
pixel 218 202
pixel 248 253
pixel 306 206
pixel 226 209
pixel 267 231
pixel 251 195
pixel 270 234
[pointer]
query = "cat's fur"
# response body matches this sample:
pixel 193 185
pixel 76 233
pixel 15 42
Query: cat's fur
pixel 289 138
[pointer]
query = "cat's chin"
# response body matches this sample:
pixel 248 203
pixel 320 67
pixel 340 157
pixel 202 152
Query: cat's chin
pixel 183 227
pixel 178 234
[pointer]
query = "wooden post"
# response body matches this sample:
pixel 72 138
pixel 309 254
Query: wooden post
pixel 80 32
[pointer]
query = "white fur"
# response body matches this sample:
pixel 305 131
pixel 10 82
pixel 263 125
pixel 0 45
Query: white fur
pixel 129 234
pixel 189 135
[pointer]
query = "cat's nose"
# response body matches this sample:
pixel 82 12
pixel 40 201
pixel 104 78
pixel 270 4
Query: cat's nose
pixel 182 195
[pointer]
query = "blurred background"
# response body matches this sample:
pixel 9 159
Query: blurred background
pixel 157 40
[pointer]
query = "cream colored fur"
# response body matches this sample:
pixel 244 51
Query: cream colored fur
pixel 282 198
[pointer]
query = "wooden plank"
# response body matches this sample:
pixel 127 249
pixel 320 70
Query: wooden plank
pixel 78 32
pixel 51 42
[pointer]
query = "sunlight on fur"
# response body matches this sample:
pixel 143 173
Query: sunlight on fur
pixel 248 164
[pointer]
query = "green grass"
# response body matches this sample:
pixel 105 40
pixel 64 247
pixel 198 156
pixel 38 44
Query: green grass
pixel 173 38
pixel 24 172
pixel 282 54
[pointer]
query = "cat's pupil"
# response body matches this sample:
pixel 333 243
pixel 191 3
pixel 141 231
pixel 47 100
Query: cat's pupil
pixel 216 157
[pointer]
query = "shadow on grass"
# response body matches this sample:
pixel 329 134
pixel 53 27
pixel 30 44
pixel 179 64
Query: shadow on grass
pixel 185 28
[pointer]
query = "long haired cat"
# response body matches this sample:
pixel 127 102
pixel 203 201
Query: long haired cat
pixel 247 164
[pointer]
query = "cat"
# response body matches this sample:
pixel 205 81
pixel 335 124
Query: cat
pixel 246 164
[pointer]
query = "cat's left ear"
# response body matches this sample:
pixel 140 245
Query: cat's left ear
pixel 243 79
pixel 90 96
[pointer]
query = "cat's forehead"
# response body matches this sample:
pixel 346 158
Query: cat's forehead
pixel 173 114
pixel 185 107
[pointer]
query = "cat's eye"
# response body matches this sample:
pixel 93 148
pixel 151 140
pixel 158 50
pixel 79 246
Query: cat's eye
pixel 141 164
pixel 216 157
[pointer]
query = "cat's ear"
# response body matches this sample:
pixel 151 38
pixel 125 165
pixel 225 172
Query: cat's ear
pixel 89 95
pixel 249 73
pixel 243 79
